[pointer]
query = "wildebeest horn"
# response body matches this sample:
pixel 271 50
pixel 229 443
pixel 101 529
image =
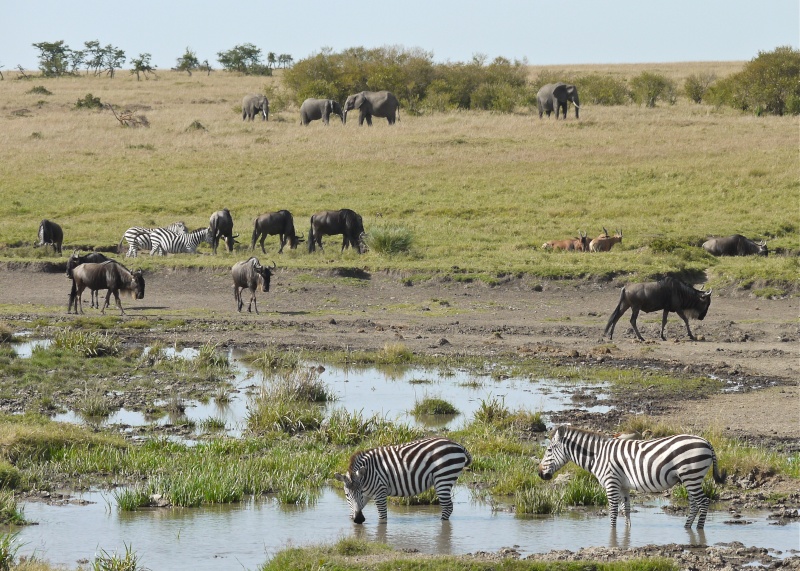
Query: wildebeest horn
pixel 762 243
pixel 301 237
pixel 274 265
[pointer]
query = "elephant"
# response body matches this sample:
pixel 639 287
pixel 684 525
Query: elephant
pixel 313 109
pixel 554 96
pixel 369 103
pixel 255 104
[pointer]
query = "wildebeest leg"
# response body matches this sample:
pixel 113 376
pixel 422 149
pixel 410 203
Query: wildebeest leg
pixel 345 241
pixel 634 315
pixel 116 297
pixel 237 295
pixel 621 308
pixel 253 301
pixel 282 238
pixel 686 321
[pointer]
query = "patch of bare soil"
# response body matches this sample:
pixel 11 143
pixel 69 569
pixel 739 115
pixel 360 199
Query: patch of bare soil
pixel 750 343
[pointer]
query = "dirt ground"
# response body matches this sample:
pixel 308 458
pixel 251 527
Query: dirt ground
pixel 749 342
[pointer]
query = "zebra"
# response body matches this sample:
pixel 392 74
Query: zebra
pixel 138 238
pixel 167 242
pixel 403 470
pixel 643 465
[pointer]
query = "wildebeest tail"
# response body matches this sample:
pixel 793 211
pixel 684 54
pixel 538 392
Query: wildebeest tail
pixel 311 236
pixel 617 312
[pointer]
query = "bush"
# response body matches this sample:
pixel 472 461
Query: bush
pixel 598 89
pixel 40 90
pixel 767 84
pixel 89 102
pixel 647 88
pixel 697 84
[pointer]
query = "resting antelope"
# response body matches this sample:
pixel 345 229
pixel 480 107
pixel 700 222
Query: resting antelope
pixel 603 243
pixel 572 244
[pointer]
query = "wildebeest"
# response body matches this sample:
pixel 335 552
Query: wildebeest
pixel 668 295
pixel 604 242
pixel 736 245
pixel 110 275
pixel 330 222
pixel 51 234
pixel 271 223
pixel 249 274
pixel 76 260
pixel 220 225
pixel 580 244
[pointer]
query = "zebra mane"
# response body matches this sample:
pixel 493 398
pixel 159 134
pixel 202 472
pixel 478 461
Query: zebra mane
pixel 354 459
pixel 564 428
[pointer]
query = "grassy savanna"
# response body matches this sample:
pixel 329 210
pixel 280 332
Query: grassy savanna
pixel 476 190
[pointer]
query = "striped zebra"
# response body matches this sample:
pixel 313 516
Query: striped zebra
pixel 403 470
pixel 643 465
pixel 165 242
pixel 138 238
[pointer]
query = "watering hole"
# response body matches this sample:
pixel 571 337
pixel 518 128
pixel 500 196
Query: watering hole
pixel 247 533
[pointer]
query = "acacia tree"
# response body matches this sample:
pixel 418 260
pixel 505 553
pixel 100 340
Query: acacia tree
pixel 141 65
pixel 244 58
pixel 113 60
pixel 187 62
pixel 57 59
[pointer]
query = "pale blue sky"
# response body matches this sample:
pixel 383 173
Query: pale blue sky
pixel 546 33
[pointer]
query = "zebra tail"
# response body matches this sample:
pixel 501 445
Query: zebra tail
pixel 468 455
pixel 721 475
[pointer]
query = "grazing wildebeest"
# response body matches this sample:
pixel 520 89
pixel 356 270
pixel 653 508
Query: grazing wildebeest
pixel 604 242
pixel 76 260
pixel 51 234
pixel 249 274
pixel 110 275
pixel 580 244
pixel 330 222
pixel 668 295
pixel 736 245
pixel 221 225
pixel 271 223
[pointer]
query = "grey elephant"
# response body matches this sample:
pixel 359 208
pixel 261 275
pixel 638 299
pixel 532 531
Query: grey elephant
pixel 313 109
pixel 555 96
pixel 253 105
pixel 373 103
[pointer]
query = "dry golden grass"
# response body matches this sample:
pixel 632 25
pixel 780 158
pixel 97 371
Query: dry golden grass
pixel 677 71
pixel 479 190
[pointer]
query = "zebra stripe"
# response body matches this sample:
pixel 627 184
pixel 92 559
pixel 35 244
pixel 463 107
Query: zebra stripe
pixel 643 465
pixel 403 470
pixel 167 242
pixel 138 237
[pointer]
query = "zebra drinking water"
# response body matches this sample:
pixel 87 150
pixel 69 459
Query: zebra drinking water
pixel 403 470
pixel 642 465
pixel 138 237
pixel 168 242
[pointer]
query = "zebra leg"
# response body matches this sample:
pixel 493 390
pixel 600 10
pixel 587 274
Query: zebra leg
pixel 445 493
pixel 626 507
pixel 380 503
pixel 698 502
pixel 613 503
pixel 701 520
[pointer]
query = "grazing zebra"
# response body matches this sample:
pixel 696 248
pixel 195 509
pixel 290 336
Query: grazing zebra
pixel 138 238
pixel 403 470
pixel 167 242
pixel 643 465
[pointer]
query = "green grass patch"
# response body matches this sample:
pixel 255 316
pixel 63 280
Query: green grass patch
pixel 433 405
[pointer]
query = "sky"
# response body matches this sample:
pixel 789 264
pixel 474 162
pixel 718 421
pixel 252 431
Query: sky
pixel 543 33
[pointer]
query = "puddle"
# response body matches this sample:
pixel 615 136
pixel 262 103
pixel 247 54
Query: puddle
pixel 392 394
pixel 24 350
pixel 212 538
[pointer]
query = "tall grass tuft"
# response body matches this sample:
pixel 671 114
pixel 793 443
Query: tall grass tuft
pixel 583 489
pixel 9 509
pixel 272 359
pixel 87 343
pixel 538 500
pixel 346 428
pixel 389 239
pixel 131 499
pixel 289 403
pixel 9 546
pixel 105 561
pixel 431 406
